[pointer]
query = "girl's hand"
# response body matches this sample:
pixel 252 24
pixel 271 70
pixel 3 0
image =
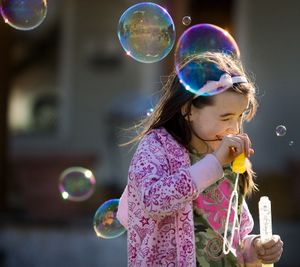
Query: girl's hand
pixel 269 252
pixel 231 146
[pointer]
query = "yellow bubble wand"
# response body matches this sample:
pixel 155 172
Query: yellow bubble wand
pixel 238 166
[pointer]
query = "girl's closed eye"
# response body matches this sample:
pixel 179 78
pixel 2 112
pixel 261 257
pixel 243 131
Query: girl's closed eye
pixel 229 118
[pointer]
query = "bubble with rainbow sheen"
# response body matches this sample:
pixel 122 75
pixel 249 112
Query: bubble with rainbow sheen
pixel 106 224
pixel 146 32
pixel 195 41
pixel 76 184
pixel 186 20
pixel 280 130
pixel 24 14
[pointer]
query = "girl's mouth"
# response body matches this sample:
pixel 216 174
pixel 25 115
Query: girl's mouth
pixel 219 138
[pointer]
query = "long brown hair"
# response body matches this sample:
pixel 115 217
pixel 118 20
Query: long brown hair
pixel 168 114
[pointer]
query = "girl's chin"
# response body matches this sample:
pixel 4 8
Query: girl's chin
pixel 214 144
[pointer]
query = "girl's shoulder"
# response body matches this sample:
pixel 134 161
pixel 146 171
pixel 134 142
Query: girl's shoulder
pixel 161 131
pixel 163 140
pixel 160 135
pixel 159 146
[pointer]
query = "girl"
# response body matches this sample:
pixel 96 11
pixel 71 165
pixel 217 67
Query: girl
pixel 180 179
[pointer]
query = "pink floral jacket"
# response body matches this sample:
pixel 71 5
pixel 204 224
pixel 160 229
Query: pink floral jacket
pixel 157 204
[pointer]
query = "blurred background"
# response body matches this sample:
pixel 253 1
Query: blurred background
pixel 68 91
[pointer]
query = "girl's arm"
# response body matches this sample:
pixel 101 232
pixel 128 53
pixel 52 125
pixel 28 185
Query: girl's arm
pixel 160 191
pixel 246 226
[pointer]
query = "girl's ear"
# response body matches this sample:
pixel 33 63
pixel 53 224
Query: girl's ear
pixel 186 112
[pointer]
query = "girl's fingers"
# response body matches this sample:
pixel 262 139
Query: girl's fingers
pixel 273 243
pixel 247 138
pixel 271 251
pixel 271 258
pixel 247 143
pixel 236 146
pixel 230 147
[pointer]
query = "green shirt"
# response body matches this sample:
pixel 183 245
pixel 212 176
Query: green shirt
pixel 209 243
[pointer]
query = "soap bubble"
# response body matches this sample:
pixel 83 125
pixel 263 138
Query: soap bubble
pixel 186 20
pixel 149 112
pixel 76 184
pixel 280 130
pixel 195 41
pixel 146 32
pixel 106 224
pixel 24 14
pixel 291 143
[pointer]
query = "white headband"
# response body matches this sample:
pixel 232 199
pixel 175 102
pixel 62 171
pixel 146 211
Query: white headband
pixel 216 87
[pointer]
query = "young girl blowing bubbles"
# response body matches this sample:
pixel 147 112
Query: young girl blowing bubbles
pixel 180 179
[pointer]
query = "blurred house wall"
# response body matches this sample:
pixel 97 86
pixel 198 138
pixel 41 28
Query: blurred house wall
pixel 268 36
pixel 96 81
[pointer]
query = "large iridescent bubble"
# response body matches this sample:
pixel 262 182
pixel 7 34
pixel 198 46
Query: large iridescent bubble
pixel 195 41
pixel 106 224
pixel 76 183
pixel 146 32
pixel 24 14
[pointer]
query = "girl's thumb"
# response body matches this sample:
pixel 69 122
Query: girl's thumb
pixel 259 247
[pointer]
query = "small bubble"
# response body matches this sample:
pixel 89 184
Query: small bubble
pixel 291 143
pixel 280 130
pixel 76 184
pixel 186 20
pixel 149 112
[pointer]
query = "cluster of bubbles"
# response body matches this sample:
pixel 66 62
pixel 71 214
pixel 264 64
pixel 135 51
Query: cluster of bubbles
pixel 280 131
pixel 23 14
pixel 147 33
pixel 106 224
pixel 76 184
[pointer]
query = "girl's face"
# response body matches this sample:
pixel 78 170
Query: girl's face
pixel 213 122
